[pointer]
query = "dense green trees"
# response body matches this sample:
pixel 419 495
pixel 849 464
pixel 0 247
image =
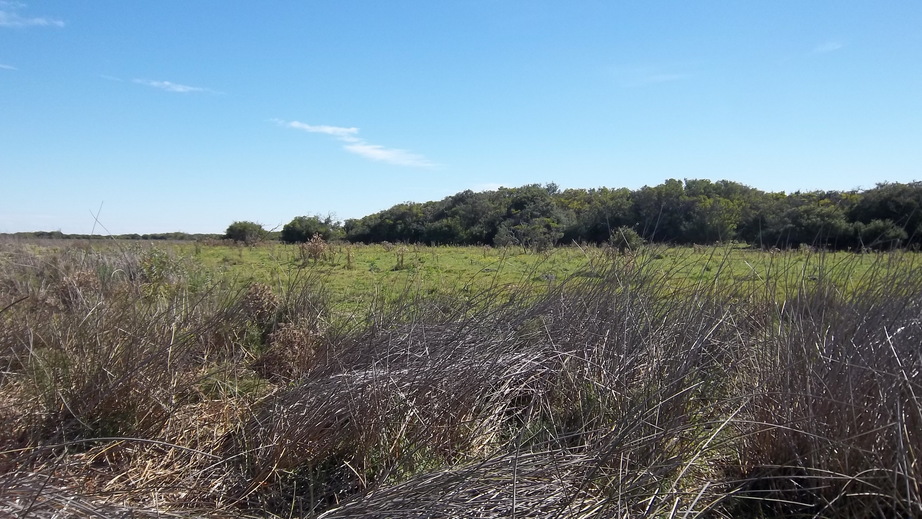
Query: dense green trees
pixel 676 211
pixel 596 212
pixel 880 234
pixel 532 219
pixel 302 228
pixel 899 204
pixel 535 217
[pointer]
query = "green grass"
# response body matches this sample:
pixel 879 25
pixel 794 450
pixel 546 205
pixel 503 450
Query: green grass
pixel 374 270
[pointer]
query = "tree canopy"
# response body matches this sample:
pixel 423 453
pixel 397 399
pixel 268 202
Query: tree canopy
pixel 677 211
pixel 302 228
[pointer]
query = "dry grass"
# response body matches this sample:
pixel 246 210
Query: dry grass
pixel 133 386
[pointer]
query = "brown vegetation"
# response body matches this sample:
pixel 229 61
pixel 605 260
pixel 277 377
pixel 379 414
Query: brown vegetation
pixel 132 385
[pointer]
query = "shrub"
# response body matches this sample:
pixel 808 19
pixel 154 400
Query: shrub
pixel 624 238
pixel 315 249
pixel 245 232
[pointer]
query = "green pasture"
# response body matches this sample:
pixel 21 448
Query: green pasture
pixel 354 275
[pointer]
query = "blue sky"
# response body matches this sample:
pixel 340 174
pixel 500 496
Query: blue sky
pixel 187 116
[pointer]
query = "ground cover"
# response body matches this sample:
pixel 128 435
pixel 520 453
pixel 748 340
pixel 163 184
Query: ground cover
pixel 356 273
pixel 214 380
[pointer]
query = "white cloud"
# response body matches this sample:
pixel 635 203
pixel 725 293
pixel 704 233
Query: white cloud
pixel 345 134
pixel 9 17
pixel 829 46
pixel 7 67
pixel 389 155
pixel 171 87
pixel 358 146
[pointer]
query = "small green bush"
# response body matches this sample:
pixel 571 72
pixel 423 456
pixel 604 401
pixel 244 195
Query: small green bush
pixel 624 238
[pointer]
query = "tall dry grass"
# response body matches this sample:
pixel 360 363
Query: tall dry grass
pixel 133 384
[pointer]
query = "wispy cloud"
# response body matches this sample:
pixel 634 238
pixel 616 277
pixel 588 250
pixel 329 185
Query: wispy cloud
pixel 171 87
pixel 7 67
pixel 827 47
pixel 10 17
pixel 341 133
pixel 358 146
pixel 389 155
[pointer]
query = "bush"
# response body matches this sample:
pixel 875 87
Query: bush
pixel 624 238
pixel 246 232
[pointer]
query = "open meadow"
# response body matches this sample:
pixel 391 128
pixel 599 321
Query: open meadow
pixel 215 380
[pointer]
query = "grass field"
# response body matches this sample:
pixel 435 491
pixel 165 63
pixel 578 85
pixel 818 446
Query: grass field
pixel 354 275
pixel 205 380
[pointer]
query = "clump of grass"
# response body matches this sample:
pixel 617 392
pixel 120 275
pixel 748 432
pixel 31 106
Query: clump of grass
pixel 833 429
pixel 597 377
pixel 98 371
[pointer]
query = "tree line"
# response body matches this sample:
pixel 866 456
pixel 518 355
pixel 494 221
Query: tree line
pixel 696 211
pixel 677 212
pixel 687 211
